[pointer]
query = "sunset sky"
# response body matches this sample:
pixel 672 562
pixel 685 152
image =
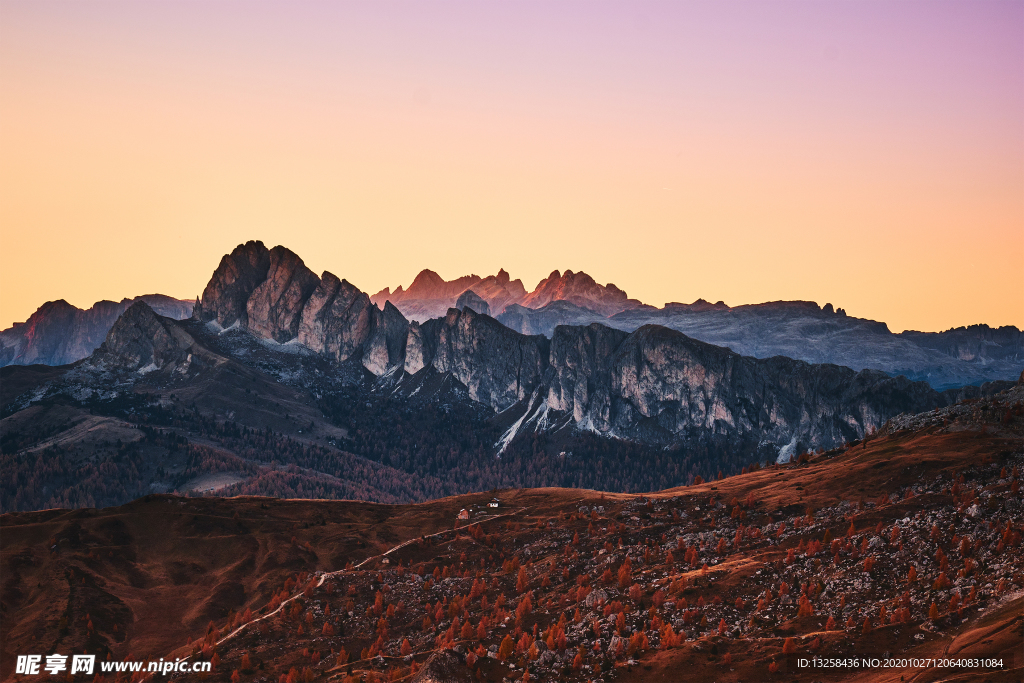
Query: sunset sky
pixel 867 154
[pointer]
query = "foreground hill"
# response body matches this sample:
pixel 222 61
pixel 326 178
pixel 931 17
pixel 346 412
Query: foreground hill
pixel 904 546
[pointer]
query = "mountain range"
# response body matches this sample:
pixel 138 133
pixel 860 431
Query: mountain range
pixel 653 384
pixel 802 330
pixel 430 296
pixel 59 333
pixel 284 382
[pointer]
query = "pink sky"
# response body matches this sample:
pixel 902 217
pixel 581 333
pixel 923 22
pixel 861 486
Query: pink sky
pixel 867 154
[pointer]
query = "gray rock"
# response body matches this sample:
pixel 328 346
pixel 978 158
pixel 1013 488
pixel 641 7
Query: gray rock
pixel 337 319
pixel 472 300
pixel 498 366
pixel 385 348
pixel 614 383
pixel 805 331
pixel 275 307
pixel 595 596
pixel 581 358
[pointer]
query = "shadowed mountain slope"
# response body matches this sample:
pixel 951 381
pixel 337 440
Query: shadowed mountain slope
pixel 59 333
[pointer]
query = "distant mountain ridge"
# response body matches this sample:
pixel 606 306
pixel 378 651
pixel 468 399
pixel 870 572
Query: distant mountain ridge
pixel 430 296
pixel 797 329
pixel 802 330
pixel 653 386
pixel 59 333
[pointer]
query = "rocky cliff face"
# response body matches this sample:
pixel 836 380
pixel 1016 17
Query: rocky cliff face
pixel 650 384
pixel 976 343
pixel 272 294
pixel 809 332
pixel 498 366
pixel 581 377
pixel 274 308
pixel 227 294
pixel 337 319
pixel 664 382
pixel 59 333
pixel 385 348
pixel 420 346
pixel 658 384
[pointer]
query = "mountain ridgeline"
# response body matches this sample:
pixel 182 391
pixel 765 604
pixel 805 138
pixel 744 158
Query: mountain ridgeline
pixel 653 385
pixel 796 329
pixel 287 384
pixel 59 333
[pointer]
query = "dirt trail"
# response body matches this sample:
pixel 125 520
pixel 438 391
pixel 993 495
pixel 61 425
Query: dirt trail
pixel 340 572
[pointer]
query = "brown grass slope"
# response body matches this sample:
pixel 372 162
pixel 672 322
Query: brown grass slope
pixel 166 576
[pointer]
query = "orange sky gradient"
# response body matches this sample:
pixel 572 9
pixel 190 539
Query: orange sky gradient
pixel 870 155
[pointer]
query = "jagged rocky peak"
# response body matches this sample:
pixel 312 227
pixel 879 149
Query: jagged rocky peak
pixel 233 282
pixel 653 384
pixel 385 349
pixel 582 290
pixel 140 338
pixel 430 285
pixel 471 299
pixel 273 295
pixel 55 308
pixel 430 295
pixel 427 282
pixel 649 383
pixel 416 350
pixel 500 291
